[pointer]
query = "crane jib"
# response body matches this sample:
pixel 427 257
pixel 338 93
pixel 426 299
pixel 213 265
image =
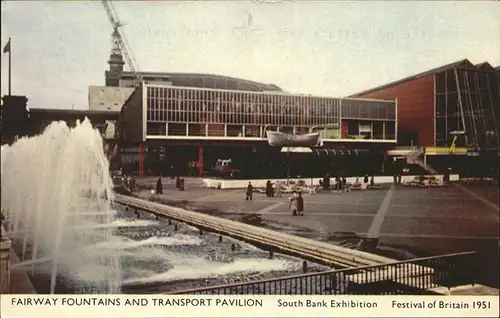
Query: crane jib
pixel 121 39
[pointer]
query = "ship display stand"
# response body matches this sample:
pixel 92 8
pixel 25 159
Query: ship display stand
pixel 292 143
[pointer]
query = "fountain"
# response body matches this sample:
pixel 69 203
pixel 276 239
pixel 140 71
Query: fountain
pixel 57 201
pixel 49 184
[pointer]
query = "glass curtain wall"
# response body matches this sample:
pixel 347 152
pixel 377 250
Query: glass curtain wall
pixel 255 111
pixel 468 99
pixel 376 118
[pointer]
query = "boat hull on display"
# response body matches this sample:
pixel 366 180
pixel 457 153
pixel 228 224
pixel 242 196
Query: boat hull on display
pixel 279 139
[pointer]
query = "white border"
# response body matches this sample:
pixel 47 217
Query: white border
pixel 248 306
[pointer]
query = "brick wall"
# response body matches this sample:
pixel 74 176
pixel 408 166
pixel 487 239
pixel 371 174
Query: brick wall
pixel 415 106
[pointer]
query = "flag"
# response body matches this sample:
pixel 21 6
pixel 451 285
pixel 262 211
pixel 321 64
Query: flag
pixel 6 48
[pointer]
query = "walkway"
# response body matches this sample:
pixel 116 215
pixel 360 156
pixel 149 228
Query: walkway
pixel 310 249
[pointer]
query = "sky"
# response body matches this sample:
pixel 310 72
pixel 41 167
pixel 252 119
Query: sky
pixel 326 48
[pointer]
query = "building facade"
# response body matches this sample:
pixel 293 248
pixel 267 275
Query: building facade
pixel 104 121
pixel 40 118
pixel 434 106
pixel 102 98
pixel 119 83
pixel 199 80
pixel 14 118
pixel 452 113
pixel 213 123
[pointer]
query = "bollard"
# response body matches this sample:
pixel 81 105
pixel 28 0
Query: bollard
pixel 271 254
pixel 304 267
pixel 233 247
pixel 220 238
pixel 169 221
pixel 176 227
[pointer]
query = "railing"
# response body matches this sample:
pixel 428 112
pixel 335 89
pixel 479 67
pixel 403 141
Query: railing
pixel 414 277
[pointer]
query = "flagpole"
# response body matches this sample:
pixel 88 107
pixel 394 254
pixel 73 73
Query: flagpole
pixel 10 68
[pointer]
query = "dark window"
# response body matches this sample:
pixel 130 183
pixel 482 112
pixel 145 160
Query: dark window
pixel 440 105
pixel 451 84
pixel 390 130
pixel 353 128
pixel 441 82
pixel 452 104
pixel 441 131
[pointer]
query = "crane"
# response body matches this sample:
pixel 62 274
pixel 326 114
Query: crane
pixel 120 40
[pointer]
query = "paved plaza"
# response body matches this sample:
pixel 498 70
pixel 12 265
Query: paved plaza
pixel 421 222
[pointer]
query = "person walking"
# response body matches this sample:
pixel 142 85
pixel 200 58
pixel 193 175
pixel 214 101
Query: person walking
pixel 292 206
pixel 269 188
pixel 446 176
pixel 364 186
pixel 300 204
pixel 338 183
pixel 249 191
pixel 296 205
pixel 159 187
pixel 131 184
pixel 278 189
pixel 326 182
pixel 125 181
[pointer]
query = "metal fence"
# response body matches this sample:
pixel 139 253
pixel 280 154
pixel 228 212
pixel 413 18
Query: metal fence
pixel 412 277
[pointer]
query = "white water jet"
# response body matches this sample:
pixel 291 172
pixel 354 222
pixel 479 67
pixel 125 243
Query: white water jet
pixel 84 224
pixel 46 180
pixel 198 267
pixel 124 242
pixel 54 188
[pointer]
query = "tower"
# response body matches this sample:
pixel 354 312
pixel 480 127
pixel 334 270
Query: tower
pixel 15 118
pixel 115 61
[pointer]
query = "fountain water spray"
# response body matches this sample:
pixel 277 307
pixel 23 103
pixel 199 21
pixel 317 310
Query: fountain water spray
pixel 56 196
pixel 49 184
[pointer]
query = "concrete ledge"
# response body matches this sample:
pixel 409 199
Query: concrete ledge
pixel 5 262
pixel 12 281
pixel 261 183
pixel 466 290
